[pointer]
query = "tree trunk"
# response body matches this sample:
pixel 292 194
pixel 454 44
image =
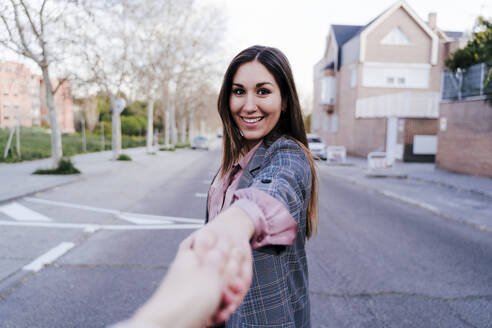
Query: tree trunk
pixel 191 131
pixel 150 126
pixel 166 132
pixel 174 134
pixel 183 131
pixel 117 106
pixel 56 139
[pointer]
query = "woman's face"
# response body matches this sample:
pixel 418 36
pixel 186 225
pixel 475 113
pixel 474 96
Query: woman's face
pixel 255 101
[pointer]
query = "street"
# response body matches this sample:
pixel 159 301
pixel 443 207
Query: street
pixel 376 261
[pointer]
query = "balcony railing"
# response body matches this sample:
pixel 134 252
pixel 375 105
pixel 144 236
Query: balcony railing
pixel 464 84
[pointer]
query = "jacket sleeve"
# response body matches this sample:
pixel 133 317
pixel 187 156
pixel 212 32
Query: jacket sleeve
pixel 277 198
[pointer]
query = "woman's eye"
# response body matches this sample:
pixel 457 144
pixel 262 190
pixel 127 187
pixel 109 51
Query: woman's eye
pixel 238 91
pixel 263 91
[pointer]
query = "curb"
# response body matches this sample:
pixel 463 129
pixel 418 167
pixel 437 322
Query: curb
pixel 450 186
pixel 411 201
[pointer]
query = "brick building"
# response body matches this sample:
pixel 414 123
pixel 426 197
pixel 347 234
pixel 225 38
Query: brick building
pixel 22 99
pixel 377 86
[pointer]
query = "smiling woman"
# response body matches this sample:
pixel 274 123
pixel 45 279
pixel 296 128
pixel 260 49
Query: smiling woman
pixel 264 197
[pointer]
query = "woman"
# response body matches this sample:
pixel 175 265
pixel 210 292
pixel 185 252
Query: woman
pixel 265 194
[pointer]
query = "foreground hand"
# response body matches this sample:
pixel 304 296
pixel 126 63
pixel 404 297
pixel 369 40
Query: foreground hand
pixel 231 240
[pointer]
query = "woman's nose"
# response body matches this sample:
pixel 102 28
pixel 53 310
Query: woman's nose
pixel 250 104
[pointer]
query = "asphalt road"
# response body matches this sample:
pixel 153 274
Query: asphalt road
pixel 375 262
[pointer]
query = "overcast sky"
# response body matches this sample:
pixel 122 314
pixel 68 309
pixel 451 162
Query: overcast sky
pixel 299 27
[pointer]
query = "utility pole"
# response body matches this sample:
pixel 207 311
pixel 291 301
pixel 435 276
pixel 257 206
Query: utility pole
pixel 150 125
pixel 103 138
pixel 166 133
pixel 84 141
pixel 117 105
pixel 17 137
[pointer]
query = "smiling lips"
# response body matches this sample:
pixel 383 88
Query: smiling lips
pixel 252 119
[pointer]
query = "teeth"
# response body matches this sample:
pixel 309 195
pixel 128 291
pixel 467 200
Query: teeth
pixel 252 120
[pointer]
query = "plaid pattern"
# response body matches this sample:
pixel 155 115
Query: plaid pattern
pixel 279 294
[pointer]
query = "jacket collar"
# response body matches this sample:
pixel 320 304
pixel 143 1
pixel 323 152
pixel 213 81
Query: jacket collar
pixel 253 165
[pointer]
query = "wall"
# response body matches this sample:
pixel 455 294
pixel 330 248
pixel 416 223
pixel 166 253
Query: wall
pixel 466 145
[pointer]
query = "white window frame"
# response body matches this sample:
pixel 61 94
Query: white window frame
pixel 396 75
pixel 396 37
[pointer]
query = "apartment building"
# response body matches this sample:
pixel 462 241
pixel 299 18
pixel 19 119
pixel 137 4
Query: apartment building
pixel 23 99
pixel 377 87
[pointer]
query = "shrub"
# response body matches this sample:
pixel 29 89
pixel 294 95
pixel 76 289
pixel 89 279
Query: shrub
pixel 186 145
pixel 133 125
pixel 65 167
pixel 124 157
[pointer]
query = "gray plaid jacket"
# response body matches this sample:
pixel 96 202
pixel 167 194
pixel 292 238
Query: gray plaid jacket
pixel 279 294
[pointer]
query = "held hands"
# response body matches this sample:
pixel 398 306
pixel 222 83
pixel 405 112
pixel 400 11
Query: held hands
pixel 207 280
pixel 228 235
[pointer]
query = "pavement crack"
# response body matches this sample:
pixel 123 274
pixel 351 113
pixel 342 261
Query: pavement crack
pixel 117 265
pixel 394 293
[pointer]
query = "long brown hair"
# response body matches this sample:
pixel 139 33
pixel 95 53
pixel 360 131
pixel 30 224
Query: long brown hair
pixel 290 124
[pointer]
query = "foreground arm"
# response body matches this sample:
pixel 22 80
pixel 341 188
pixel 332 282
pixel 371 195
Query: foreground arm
pixel 201 286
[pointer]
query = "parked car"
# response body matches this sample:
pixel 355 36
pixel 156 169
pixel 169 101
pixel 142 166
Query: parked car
pixel 316 146
pixel 199 142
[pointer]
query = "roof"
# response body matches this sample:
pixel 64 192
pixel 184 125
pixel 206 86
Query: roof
pixel 343 33
pixel 453 34
pixel 331 65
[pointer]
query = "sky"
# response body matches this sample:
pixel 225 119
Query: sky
pixel 299 27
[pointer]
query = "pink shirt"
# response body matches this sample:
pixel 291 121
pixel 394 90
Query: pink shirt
pixel 273 223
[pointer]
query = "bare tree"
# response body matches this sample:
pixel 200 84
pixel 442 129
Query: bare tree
pixel 108 55
pixel 181 51
pixel 36 29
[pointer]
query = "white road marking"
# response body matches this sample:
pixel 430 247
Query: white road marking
pixel 93 227
pixel 48 257
pixel 132 217
pixel 80 207
pixel 137 220
pixel 21 213
pixel 200 195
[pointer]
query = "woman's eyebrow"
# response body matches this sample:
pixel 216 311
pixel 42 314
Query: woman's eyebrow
pixel 259 85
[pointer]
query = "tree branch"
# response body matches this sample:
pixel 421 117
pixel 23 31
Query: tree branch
pixel 25 48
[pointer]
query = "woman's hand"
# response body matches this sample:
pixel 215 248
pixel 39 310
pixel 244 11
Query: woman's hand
pixel 229 232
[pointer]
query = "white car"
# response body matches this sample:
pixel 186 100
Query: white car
pixel 200 142
pixel 316 146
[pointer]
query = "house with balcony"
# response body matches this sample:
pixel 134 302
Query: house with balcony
pixel 377 87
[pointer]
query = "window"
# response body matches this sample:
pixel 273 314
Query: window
pixel 353 77
pixel 325 122
pixel 315 121
pixel 396 37
pixel 334 123
pixel 328 89
pixel 396 75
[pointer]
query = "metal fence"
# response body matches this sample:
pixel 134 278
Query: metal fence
pixel 466 83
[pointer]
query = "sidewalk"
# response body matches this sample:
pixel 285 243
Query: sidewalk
pixel 459 197
pixel 17 180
